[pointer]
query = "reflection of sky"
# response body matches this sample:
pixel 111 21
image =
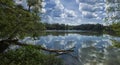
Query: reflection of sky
pixel 75 40
pixel 88 49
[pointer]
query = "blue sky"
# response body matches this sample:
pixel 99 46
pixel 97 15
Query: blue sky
pixel 73 12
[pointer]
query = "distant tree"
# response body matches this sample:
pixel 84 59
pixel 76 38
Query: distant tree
pixel 89 27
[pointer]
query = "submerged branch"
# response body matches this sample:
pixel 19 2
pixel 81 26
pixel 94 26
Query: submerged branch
pixel 15 42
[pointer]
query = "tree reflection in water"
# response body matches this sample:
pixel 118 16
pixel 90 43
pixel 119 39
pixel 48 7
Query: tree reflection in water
pixel 89 49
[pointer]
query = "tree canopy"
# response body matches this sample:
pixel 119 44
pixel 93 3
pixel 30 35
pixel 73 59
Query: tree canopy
pixel 113 15
pixel 88 27
pixel 15 21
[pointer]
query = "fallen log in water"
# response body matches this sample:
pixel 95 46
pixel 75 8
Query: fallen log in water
pixel 15 42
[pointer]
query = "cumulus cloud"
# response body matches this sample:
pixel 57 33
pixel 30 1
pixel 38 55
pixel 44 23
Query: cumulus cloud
pixel 71 11
pixel 43 10
pixel 86 7
pixel 88 15
pixel 43 4
pixel 78 12
pixel 92 8
pixel 91 1
pixel 55 8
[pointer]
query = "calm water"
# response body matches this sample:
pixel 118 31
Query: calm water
pixel 89 48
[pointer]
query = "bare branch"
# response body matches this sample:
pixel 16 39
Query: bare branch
pixel 15 42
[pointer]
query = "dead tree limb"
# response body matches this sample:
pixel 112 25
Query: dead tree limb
pixel 15 42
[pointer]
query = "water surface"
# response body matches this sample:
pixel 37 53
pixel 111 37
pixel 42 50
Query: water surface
pixel 90 48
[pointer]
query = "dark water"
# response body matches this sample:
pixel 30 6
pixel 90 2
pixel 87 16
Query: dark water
pixel 89 48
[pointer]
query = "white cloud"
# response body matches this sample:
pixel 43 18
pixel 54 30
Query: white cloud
pixel 92 9
pixel 22 2
pixel 77 1
pixel 86 7
pixel 88 15
pixel 78 12
pixel 57 1
pixel 18 1
pixel 43 4
pixel 43 10
pixel 58 10
pixel 63 15
pixel 70 13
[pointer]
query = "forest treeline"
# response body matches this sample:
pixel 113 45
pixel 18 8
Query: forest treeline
pixel 88 27
pixel 111 29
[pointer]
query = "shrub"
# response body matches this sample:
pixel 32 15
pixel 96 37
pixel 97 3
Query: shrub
pixel 28 56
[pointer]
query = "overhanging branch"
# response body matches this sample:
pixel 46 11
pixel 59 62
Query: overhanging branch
pixel 15 42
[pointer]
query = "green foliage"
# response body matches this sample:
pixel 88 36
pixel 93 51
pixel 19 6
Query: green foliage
pixel 28 56
pixel 116 44
pixel 112 11
pixel 113 1
pixel 7 2
pixel 35 4
pixel 16 21
pixel 116 28
pixel 55 26
pixel 90 27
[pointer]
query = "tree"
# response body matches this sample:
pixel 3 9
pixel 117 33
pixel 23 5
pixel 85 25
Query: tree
pixel 34 5
pixel 113 17
pixel 17 22
pixel 113 11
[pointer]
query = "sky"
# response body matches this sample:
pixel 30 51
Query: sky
pixel 73 12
